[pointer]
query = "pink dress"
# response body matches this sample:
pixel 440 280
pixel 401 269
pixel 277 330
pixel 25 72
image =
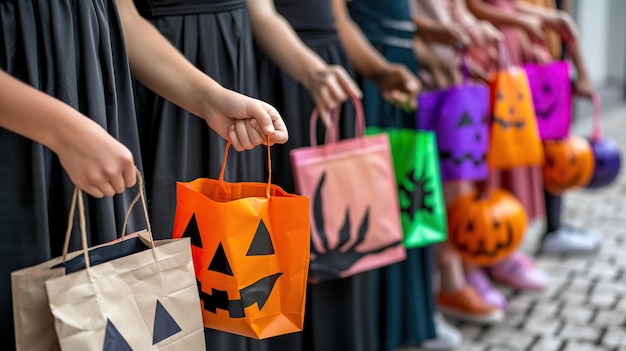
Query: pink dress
pixel 525 182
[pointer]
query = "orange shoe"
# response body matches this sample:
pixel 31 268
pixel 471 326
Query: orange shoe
pixel 465 304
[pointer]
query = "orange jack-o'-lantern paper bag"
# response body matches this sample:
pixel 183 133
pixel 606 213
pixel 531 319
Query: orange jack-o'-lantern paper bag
pixel 250 244
pixel 134 293
pixel 355 209
pixel 514 137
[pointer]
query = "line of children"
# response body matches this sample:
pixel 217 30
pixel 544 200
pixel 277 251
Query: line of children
pixel 82 131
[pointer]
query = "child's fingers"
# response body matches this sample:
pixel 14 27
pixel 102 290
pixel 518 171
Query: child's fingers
pixel 256 138
pixel 242 134
pixel 234 139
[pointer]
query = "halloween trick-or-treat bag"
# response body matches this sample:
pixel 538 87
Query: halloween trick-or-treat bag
pixel 355 212
pixel 552 98
pixel 514 138
pixel 250 244
pixel 459 117
pixel 130 294
pixel 420 192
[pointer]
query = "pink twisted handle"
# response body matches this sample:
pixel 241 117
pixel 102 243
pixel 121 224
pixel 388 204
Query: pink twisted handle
pixel 596 133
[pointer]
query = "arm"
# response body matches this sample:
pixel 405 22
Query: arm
pixel 93 159
pixel 157 64
pixel 433 31
pixel 558 20
pixel 329 85
pixel 395 81
pixel 530 23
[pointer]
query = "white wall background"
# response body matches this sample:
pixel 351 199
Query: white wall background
pixel 602 25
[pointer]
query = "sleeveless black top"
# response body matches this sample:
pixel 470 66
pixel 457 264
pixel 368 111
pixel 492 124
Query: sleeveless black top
pixel 160 8
pixel 313 20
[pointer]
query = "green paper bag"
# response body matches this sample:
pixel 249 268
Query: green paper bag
pixel 420 192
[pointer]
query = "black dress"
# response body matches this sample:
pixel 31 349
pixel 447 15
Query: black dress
pixel 216 37
pixel 338 315
pixel 74 51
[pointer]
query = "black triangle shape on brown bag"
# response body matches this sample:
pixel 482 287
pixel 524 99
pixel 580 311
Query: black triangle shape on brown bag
pixel 164 324
pixel 113 340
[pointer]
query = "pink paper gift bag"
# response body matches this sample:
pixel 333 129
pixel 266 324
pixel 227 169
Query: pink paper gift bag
pixel 355 214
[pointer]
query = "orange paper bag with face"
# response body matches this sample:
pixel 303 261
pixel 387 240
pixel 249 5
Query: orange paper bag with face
pixel 250 247
pixel 514 136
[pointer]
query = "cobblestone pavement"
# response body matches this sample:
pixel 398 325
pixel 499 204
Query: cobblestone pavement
pixel 584 309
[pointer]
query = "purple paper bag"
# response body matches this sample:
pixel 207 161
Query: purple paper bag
pixel 552 94
pixel 459 117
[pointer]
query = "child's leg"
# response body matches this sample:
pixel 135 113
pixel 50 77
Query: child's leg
pixel 456 297
pixel 563 239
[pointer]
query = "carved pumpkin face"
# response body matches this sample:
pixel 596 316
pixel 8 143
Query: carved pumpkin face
pixel 551 94
pixel 220 295
pixel 459 117
pixel 250 254
pixel 607 157
pixel 486 228
pixel 514 138
pixel 569 164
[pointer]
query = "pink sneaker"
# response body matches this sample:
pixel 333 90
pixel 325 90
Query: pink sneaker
pixel 519 272
pixel 490 295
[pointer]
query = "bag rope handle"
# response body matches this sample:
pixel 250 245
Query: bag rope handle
pixel 269 166
pixel 77 196
pixel 359 127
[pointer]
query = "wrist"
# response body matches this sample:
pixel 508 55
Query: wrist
pixel 311 72
pixel 207 98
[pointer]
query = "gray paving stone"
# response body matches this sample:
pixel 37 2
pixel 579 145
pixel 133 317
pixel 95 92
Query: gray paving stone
pixel 614 337
pixel 576 346
pixel 542 326
pixel 578 314
pixel 579 332
pixel 508 337
pixel 603 299
pixel 581 285
pixel 546 310
pixel 602 270
pixel 573 297
pixel 472 347
pixel 471 332
pixel 621 305
pixel 547 344
pixel 609 318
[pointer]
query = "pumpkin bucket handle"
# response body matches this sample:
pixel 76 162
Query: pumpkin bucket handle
pixel 269 166
pixel 596 133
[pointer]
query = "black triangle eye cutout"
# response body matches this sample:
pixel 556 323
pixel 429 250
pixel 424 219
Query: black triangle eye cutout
pixel 193 232
pixel 219 263
pixel 464 121
pixel 164 325
pixel 113 340
pixel 261 243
